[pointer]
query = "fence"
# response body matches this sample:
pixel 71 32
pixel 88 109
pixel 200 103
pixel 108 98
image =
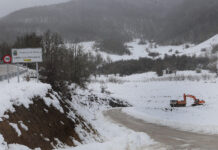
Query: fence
pixel 12 74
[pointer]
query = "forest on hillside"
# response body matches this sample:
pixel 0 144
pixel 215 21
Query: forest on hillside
pixel 164 21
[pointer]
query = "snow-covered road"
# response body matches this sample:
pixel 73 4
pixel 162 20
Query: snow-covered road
pixel 172 138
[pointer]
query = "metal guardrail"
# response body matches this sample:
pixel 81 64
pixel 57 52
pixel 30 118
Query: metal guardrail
pixel 12 74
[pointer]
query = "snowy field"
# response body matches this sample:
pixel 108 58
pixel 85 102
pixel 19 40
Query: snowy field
pixel 138 50
pixel 151 99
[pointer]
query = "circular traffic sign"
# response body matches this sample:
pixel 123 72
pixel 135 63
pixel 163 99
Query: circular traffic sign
pixel 7 59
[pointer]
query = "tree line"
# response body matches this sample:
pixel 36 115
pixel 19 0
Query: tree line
pixel 171 63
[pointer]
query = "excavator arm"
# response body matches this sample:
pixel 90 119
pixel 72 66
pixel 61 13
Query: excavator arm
pixel 190 96
pixel 196 101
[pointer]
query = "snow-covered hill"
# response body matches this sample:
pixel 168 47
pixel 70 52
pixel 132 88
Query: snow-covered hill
pixel 138 50
pixel 31 111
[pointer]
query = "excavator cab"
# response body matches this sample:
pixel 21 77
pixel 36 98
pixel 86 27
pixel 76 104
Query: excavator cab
pixel 176 103
pixel 182 103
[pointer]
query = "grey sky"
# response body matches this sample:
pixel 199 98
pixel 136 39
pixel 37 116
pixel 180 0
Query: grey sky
pixel 8 6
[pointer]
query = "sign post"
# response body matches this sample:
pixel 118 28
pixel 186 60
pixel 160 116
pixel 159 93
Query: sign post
pixel 37 72
pixel 18 74
pixel 8 73
pixel 33 55
pixel 7 60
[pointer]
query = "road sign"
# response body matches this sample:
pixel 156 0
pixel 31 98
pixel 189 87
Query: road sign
pixel 7 59
pixel 27 55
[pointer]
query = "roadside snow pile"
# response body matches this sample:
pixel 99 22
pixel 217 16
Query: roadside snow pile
pixel 147 49
pixel 151 101
pixel 131 141
pixel 20 94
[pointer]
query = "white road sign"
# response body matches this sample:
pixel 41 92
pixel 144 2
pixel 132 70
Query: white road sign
pixel 27 55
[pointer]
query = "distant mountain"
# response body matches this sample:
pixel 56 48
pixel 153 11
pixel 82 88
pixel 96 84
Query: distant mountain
pixel 8 6
pixel 192 20
pixel 161 20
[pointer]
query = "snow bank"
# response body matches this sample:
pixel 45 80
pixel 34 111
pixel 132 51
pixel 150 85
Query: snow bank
pixel 20 93
pixel 132 141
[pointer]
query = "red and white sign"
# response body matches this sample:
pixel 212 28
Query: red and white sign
pixel 7 59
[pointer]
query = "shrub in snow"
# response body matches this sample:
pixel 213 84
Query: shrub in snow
pixel 187 46
pixel 103 88
pixel 198 70
pixel 142 42
pixel 114 80
pixel 213 67
pixel 153 54
pixel 177 52
pixel 26 78
pixel 215 48
pixel 203 50
pixel 159 72
pixel 170 51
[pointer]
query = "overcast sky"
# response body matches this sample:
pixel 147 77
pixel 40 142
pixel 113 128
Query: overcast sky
pixel 8 6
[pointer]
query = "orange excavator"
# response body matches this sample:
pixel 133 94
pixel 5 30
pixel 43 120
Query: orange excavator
pixel 176 103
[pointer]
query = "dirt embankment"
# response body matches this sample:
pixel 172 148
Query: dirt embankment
pixel 45 126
